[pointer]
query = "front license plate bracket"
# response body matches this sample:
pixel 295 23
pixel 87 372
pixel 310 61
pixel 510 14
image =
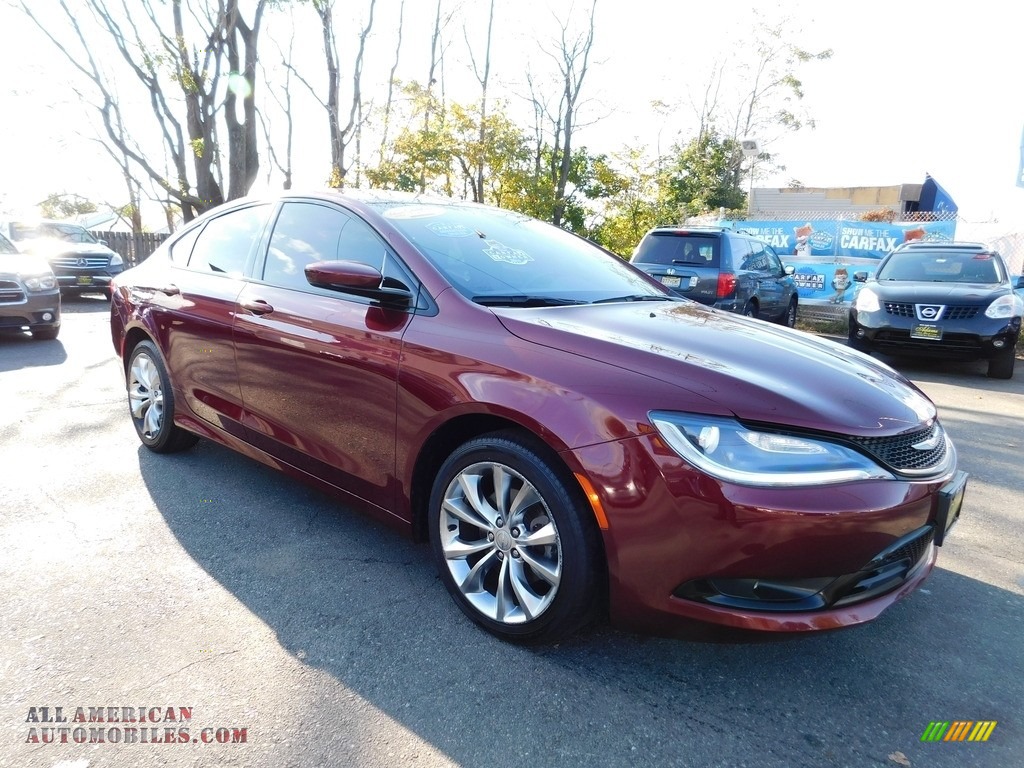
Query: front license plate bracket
pixel 951 500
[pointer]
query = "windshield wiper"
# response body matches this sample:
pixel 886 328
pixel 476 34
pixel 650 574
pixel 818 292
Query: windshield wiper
pixel 522 300
pixel 637 297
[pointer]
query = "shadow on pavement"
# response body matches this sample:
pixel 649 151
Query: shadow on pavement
pixel 353 598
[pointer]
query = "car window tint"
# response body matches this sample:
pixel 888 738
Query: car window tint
pixel 739 253
pixel 226 241
pixel 678 248
pixel 772 260
pixel 181 248
pixel 304 233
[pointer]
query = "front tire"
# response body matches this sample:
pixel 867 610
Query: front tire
pixel 515 544
pixel 45 332
pixel 1001 367
pixel 151 402
pixel 788 318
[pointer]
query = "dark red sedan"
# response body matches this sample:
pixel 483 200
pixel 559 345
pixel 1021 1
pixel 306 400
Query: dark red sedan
pixel 571 439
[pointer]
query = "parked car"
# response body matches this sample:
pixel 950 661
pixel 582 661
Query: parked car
pixel 947 300
pixel 569 436
pixel 81 263
pixel 29 296
pixel 722 268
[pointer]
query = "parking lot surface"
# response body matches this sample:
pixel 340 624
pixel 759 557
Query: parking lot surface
pixel 202 610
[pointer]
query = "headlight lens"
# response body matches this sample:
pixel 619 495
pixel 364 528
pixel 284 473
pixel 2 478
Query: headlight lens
pixel 727 450
pixel 41 283
pixel 116 260
pixel 867 301
pixel 1004 308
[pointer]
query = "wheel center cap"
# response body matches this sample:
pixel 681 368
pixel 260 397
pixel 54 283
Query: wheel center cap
pixel 503 540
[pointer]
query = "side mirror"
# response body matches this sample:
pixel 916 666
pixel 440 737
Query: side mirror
pixel 1020 282
pixel 357 279
pixel 788 269
pixel 860 277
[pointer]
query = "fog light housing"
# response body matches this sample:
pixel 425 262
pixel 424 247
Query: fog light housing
pixel 47 316
pixel 998 343
pixel 860 333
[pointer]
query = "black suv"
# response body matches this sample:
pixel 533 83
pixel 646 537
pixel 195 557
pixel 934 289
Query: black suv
pixel 952 300
pixel 81 263
pixel 722 268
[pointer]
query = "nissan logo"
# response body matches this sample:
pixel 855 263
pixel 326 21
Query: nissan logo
pixel 929 311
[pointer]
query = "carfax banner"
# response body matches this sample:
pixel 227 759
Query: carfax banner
pixel 826 253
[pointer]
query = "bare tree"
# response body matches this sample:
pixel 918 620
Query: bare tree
pixel 391 81
pixel 573 61
pixel 483 74
pixel 181 79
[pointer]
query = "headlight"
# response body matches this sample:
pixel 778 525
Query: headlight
pixel 727 450
pixel 867 301
pixel 41 283
pixel 116 260
pixel 1004 308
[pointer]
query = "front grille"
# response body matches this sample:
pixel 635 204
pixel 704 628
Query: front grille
pixel 10 292
pixel 900 342
pixel 72 262
pixel 960 313
pixel 952 312
pixel 898 452
pixel 887 570
pixel 898 309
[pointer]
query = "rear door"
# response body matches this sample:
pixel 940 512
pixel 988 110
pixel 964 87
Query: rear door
pixel 193 306
pixel 685 262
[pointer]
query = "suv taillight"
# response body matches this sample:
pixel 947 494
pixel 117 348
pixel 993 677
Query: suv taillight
pixel 726 284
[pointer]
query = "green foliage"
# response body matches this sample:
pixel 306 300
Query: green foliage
pixel 65 205
pixel 702 175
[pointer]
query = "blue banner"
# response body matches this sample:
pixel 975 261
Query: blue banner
pixel 827 253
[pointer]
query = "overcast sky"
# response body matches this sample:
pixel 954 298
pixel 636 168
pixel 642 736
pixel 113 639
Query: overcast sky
pixel 911 88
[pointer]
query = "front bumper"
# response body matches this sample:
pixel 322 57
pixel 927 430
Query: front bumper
pixel 979 338
pixel 684 547
pixel 20 307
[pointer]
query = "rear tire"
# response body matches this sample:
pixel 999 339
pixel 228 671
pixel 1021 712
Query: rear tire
pixel 151 402
pixel 1001 367
pixel 750 309
pixel 515 544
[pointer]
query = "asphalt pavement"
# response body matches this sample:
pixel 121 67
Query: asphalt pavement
pixel 203 610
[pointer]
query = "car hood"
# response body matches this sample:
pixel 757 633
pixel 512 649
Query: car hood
pixel 51 248
pixel 934 292
pixel 757 371
pixel 23 264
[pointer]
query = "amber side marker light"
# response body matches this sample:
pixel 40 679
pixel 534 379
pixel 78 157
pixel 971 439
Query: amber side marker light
pixel 595 501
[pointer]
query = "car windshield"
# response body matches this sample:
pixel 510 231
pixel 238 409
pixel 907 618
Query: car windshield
pixel 500 257
pixel 69 233
pixel 941 267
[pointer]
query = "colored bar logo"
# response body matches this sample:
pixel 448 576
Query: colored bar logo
pixel 959 730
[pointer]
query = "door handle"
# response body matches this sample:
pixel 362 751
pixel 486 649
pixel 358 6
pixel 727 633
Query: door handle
pixel 169 290
pixel 255 306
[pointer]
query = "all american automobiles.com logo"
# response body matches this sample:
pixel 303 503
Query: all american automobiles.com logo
pixel 124 725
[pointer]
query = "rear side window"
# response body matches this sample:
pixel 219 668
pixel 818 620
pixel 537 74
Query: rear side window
pixel 227 241
pixel 679 248
pixel 181 248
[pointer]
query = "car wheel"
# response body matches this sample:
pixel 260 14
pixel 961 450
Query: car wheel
pixel 151 402
pixel 788 318
pixel 45 332
pixel 515 544
pixel 750 309
pixel 1001 367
